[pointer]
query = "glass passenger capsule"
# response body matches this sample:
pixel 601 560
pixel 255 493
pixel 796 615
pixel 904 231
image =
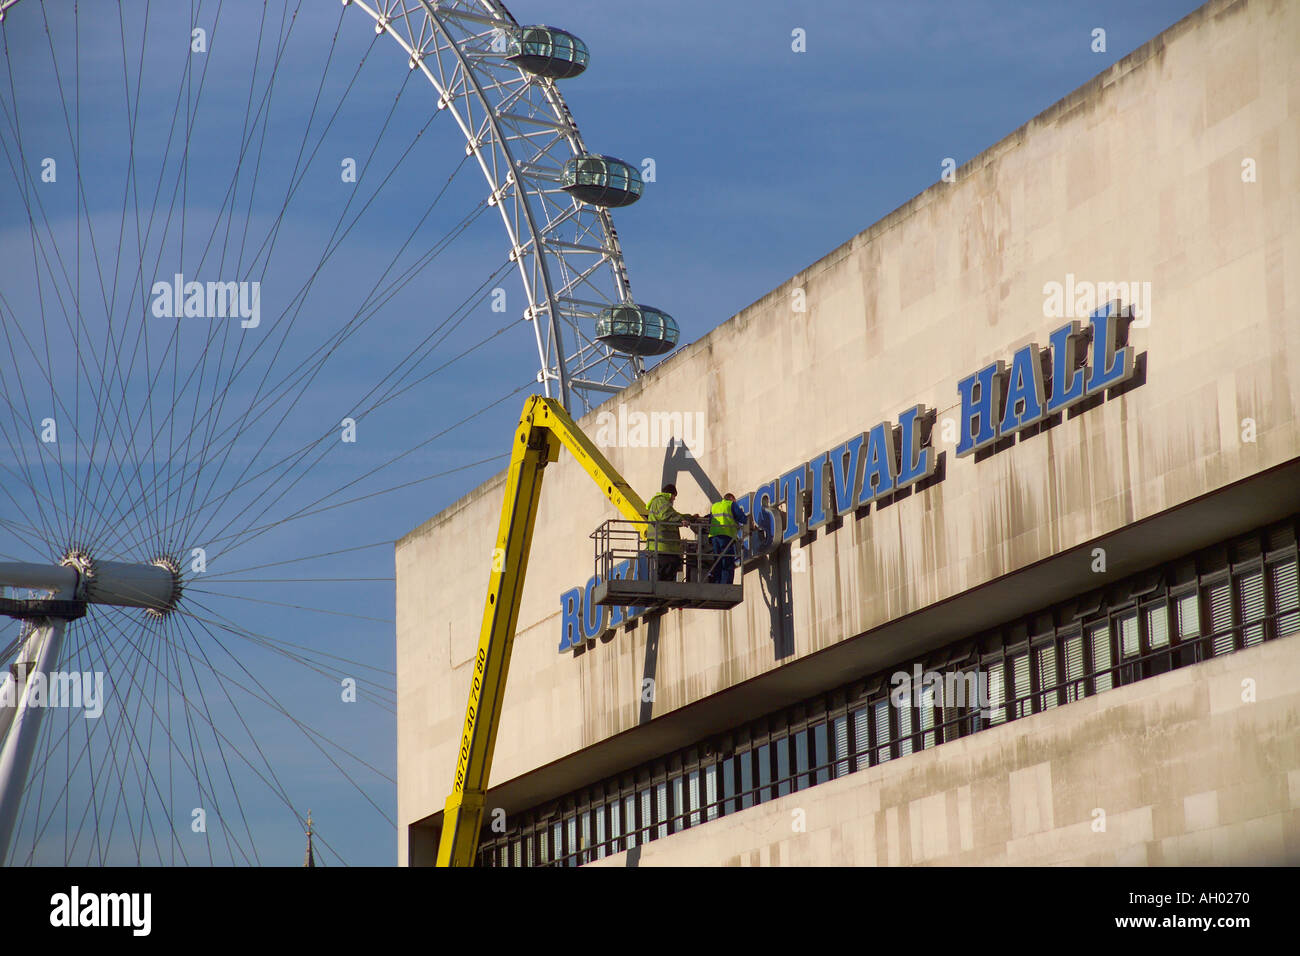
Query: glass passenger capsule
pixel 601 180
pixel 637 329
pixel 548 51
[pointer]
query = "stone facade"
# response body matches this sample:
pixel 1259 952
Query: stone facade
pixel 1140 175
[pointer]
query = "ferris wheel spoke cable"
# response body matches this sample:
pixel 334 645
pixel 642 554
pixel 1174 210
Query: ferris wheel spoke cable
pixel 297 389
pixel 191 638
pixel 210 578
pixel 244 537
pixel 310 370
pixel 310 733
pixel 286 463
pixel 280 646
pixel 74 139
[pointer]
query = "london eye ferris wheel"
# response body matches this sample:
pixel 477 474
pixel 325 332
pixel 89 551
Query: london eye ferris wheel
pixel 263 266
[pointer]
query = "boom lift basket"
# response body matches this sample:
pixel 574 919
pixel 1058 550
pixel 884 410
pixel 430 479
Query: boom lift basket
pixel 628 574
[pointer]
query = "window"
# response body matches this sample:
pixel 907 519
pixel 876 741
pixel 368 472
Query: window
pixel 647 814
pixel 883 751
pixel 1187 611
pixel 747 793
pixel 1250 594
pixel 1028 665
pixel 784 782
pixel 905 727
pixel 925 716
pixel 711 792
pixel 729 785
pixel 861 738
pixel 821 753
pixel 1126 627
pixel 840 728
pixel 1286 598
pixel 1022 697
pixel 802 780
pixel 661 809
pixel 1072 655
pixel 1047 677
pixel 615 826
pixel 764 758
pixel 1155 624
pixel 1221 618
pixel 629 820
pixel 1099 650
pixel 997 693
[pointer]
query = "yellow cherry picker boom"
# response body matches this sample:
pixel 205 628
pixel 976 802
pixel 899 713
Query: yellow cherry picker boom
pixel 544 429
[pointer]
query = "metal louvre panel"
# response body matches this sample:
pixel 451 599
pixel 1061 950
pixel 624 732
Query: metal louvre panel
pixel 926 714
pixel 905 728
pixel 862 735
pixel 629 820
pixel 1020 686
pixel 693 797
pixel 840 728
pixel 711 791
pixel 997 694
pixel 647 815
pixel 1099 651
pixel 1286 597
pixel 1128 635
pixel 1221 617
pixel 1047 676
pixel 661 809
pixel 1189 616
pixel 1250 598
pixel 882 731
pixel 1157 622
pixel 1073 653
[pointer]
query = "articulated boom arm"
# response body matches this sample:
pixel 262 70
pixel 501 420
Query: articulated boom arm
pixel 544 427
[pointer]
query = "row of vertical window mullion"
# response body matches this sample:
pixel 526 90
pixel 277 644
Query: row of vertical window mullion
pixel 772 767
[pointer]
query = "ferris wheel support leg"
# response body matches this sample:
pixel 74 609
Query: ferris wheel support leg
pixel 20 725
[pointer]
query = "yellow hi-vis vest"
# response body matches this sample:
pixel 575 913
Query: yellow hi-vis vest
pixel 661 533
pixel 722 523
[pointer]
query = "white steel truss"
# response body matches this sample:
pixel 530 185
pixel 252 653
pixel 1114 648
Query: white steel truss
pixel 518 128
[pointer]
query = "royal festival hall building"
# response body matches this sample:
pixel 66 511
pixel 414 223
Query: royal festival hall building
pixel 1025 459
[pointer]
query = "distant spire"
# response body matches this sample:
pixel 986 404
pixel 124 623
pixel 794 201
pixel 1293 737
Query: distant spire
pixel 310 859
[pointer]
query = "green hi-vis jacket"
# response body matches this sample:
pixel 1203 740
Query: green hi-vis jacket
pixel 661 531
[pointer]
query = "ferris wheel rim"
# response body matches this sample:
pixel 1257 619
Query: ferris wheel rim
pixel 555 363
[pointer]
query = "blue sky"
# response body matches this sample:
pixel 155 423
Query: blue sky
pixel 766 160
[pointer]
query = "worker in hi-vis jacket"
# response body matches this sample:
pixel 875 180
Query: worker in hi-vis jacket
pixel 663 537
pixel 726 518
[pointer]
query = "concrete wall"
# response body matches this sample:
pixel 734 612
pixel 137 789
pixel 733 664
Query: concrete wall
pixel 1184 771
pixel 1136 176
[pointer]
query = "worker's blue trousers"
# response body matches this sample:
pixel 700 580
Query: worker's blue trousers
pixel 723 570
